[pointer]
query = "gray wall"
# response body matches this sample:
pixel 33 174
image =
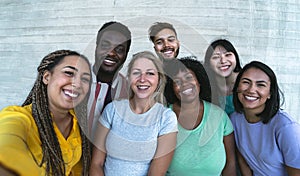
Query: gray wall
pixel 265 30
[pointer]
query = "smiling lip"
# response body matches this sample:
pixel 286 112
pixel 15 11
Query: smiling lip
pixel 71 94
pixel 250 98
pixel 142 87
pixel 187 91
pixel 109 61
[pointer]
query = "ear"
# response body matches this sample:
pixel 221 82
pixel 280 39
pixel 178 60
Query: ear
pixel 46 77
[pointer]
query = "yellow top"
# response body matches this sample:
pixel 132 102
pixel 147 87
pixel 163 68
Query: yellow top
pixel 20 141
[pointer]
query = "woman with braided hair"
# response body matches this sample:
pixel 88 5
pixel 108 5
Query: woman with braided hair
pixel 43 137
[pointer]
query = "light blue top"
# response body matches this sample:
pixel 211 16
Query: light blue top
pixel 201 151
pixel 267 148
pixel 132 140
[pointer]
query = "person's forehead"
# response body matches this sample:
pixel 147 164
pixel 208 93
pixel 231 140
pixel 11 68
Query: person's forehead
pixel 165 33
pixel 113 37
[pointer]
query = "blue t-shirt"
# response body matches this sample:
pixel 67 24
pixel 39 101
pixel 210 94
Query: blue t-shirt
pixel 132 140
pixel 267 148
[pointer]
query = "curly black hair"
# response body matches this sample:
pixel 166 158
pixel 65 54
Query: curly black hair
pixel 172 68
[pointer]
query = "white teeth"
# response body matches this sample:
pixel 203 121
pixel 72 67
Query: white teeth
pixel 73 95
pixel 224 67
pixel 109 61
pixel 168 52
pixel 250 98
pixel 187 91
pixel 143 87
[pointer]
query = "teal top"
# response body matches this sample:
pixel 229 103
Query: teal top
pixel 226 102
pixel 201 151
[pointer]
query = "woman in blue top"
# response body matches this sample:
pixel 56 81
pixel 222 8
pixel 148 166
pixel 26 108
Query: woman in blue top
pixel 205 141
pixel 222 64
pixel 137 136
pixel 268 139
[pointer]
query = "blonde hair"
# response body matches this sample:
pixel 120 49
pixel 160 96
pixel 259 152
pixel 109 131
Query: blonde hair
pixel 158 95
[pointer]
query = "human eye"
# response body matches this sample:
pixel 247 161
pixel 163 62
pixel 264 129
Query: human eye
pixel 227 54
pixel 171 39
pixel 120 49
pixel 261 85
pixel 69 73
pixel 189 77
pixel 136 73
pixel 177 82
pixel 215 56
pixel 104 45
pixel 150 73
pixel 85 79
pixel 245 82
pixel 158 42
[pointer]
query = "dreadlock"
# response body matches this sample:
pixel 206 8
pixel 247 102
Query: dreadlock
pixel 38 97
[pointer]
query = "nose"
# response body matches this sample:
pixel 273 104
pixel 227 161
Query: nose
pixel 142 77
pixel 222 58
pixel 76 82
pixel 112 52
pixel 252 88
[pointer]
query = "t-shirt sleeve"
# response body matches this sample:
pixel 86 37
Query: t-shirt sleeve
pixel 168 122
pixel 107 115
pixel 228 128
pixel 288 139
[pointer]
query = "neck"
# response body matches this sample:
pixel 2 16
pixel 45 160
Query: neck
pixel 140 106
pixel 63 121
pixel 251 117
pixel 225 85
pixel 189 115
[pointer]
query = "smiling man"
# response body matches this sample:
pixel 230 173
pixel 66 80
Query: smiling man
pixel 164 37
pixel 112 46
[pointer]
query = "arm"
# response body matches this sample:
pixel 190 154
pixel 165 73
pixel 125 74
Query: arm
pixel 6 172
pixel 99 151
pixel 230 166
pixel 293 171
pixel 164 154
pixel 244 167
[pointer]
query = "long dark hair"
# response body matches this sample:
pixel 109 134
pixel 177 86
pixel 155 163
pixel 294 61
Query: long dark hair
pixel 211 74
pixel 38 97
pixel 273 104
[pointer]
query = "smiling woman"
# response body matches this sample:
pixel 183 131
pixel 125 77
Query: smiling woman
pixel 42 137
pixel 137 136
pixel 261 128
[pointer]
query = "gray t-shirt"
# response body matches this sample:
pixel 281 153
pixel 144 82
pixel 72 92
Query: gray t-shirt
pixel 132 140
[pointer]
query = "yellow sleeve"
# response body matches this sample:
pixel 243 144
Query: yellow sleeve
pixel 15 123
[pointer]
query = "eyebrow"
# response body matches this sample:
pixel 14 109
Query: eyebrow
pixel 260 81
pixel 74 68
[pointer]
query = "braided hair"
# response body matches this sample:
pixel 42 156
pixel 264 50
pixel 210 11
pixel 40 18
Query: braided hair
pixel 38 97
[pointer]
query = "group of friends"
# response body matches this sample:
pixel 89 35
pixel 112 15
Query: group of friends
pixel 167 116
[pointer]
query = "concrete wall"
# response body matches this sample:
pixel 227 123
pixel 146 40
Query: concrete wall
pixel 265 30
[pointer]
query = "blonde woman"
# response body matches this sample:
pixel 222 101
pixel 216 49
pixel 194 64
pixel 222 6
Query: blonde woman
pixel 137 136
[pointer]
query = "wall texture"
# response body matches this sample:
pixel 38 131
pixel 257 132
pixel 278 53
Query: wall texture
pixel 265 30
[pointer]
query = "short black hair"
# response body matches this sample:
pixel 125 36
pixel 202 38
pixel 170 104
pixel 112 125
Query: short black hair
pixel 272 104
pixel 115 26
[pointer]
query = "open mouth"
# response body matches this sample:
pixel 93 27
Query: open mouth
pixel 187 91
pixel 109 61
pixel 250 98
pixel 143 87
pixel 71 94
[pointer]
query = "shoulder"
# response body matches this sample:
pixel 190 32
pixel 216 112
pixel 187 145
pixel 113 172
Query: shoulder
pixel 281 120
pixel 20 115
pixel 214 110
